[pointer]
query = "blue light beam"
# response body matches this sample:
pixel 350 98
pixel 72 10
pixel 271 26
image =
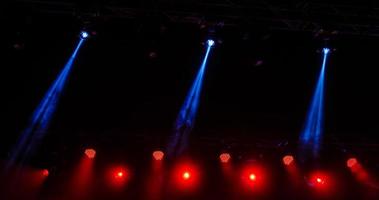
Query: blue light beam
pixel 42 115
pixel 187 114
pixel 311 135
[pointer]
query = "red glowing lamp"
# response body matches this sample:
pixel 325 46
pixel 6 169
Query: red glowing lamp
pixel 90 153
pixel 119 174
pixel 186 175
pixel 225 157
pixel 288 160
pixel 351 162
pixel 45 172
pixel 158 155
pixel 252 177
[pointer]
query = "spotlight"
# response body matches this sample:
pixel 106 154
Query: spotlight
pixel 158 155
pixel 319 180
pixel 186 175
pixel 45 172
pixel 225 157
pixel 252 177
pixel 119 174
pixel 90 153
pixel 288 159
pixel 210 42
pixel 326 50
pixel 351 162
pixel 84 34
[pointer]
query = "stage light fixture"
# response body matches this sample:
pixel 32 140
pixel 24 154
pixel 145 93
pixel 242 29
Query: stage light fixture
pixel 119 174
pixel 90 153
pixel 288 160
pixel 158 155
pixel 186 175
pixel 84 34
pixel 326 50
pixel 252 177
pixel 210 42
pixel 351 162
pixel 225 157
pixel 45 172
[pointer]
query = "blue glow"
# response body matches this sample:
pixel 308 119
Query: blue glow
pixel 211 42
pixel 186 118
pixel 42 115
pixel 312 133
pixel 84 35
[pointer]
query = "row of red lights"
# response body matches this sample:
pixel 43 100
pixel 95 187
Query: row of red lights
pixel 188 175
pixel 224 157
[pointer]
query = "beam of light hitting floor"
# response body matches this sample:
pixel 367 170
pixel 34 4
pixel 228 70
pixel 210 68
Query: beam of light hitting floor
pixel 186 118
pixel 311 135
pixel 43 113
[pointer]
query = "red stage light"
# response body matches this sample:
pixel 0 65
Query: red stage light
pixel 45 173
pixel 319 180
pixel 287 160
pixel 352 162
pixel 90 153
pixel 225 157
pixel 158 155
pixel 252 177
pixel 186 175
pixel 119 175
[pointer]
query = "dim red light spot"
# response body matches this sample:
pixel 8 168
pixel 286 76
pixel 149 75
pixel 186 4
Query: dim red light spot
pixel 352 162
pixel 225 157
pixel 287 160
pixel 45 172
pixel 90 153
pixel 158 155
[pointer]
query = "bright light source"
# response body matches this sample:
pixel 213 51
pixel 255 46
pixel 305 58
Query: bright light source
pixel 287 160
pixel 90 153
pixel 158 155
pixel 319 180
pixel 326 50
pixel 84 34
pixel 211 42
pixel 120 174
pixel 45 172
pixel 351 162
pixel 225 157
pixel 252 177
pixel 186 175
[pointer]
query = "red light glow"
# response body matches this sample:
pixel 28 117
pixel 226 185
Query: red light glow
pixel 321 181
pixel 158 155
pixel 287 160
pixel 225 157
pixel 90 153
pixel 252 177
pixel 186 175
pixel 119 175
pixel 45 173
pixel 352 162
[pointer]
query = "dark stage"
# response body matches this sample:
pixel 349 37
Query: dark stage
pixel 82 114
